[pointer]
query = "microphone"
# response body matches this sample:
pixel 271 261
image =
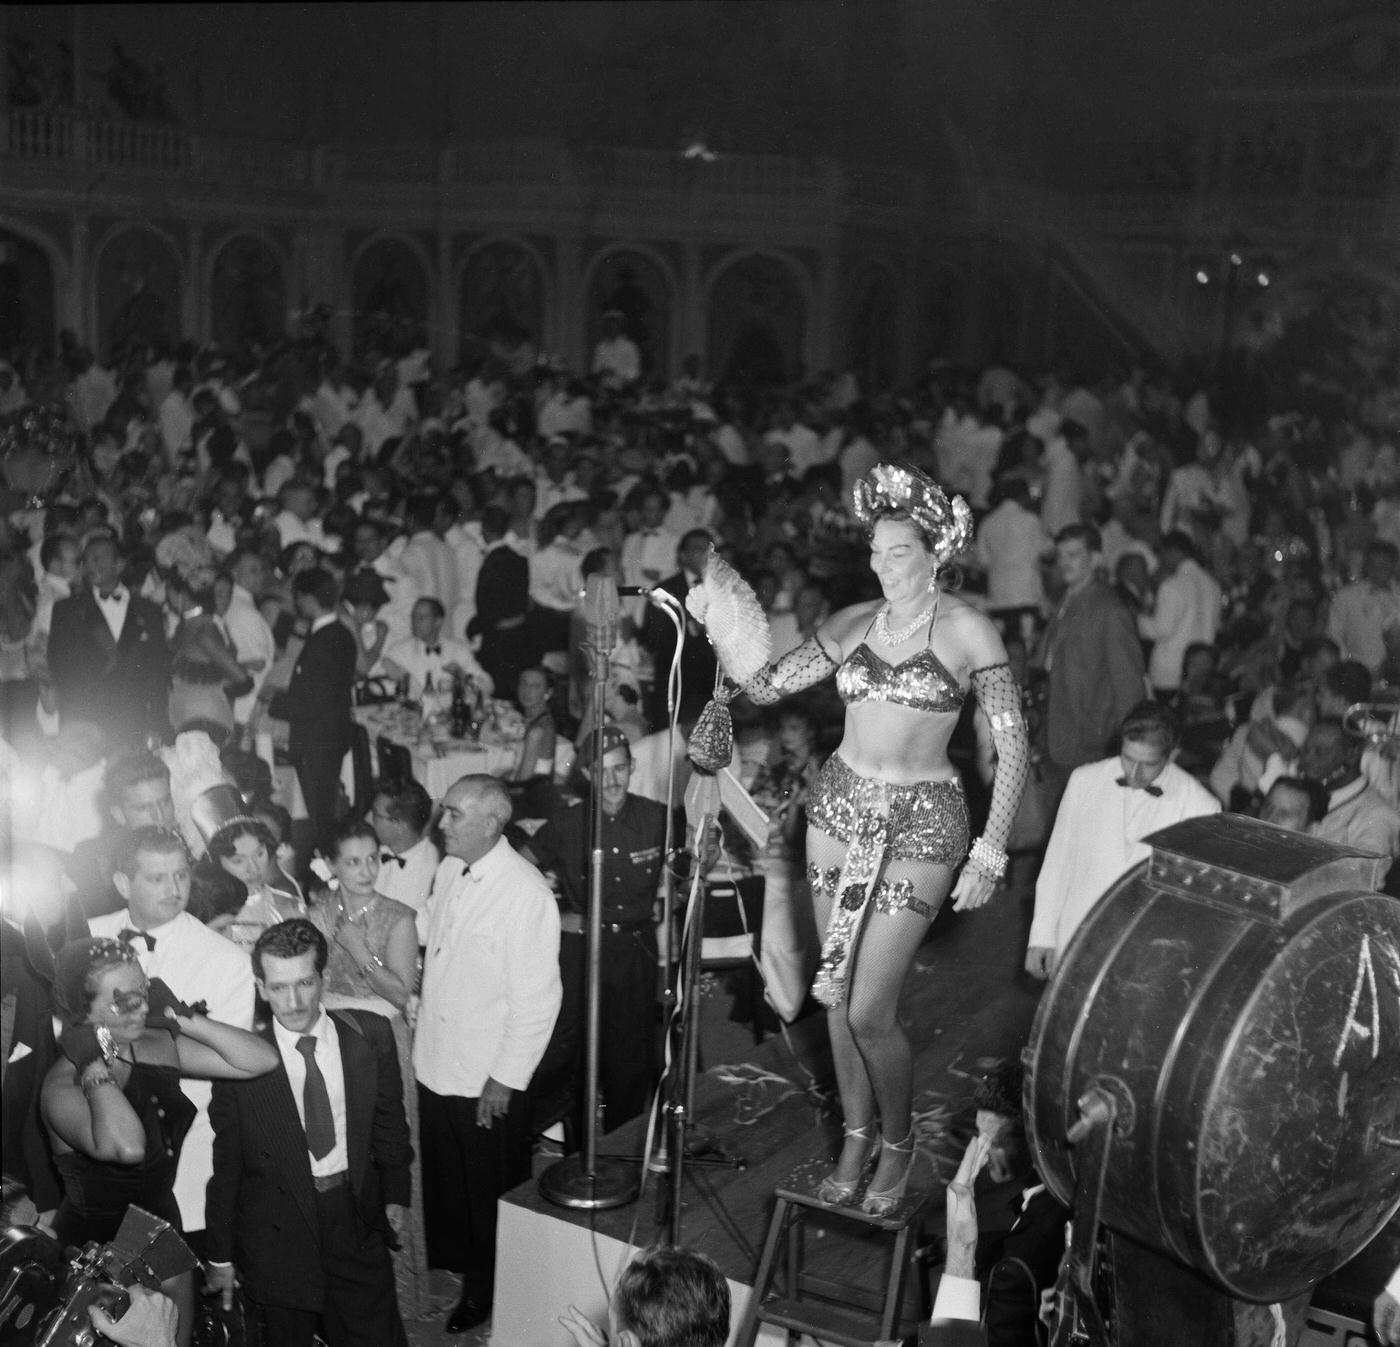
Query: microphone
pixel 600 614
pixel 653 594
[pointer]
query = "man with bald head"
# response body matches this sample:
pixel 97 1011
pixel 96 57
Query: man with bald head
pixel 491 992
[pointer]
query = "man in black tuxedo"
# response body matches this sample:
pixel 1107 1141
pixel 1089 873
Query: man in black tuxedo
pixel 1011 1231
pixel 319 699
pixel 503 606
pixel 955 1320
pixel 659 637
pixel 107 653
pixel 311 1163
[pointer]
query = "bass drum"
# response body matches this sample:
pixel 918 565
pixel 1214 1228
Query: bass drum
pixel 1240 993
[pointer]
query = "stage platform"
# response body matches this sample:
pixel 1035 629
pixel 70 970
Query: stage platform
pixel 966 1003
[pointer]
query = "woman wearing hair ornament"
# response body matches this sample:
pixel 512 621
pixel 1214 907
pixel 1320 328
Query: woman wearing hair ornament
pixel 888 825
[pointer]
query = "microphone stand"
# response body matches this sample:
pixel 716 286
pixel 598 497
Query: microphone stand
pixel 684 1145
pixel 585 1181
pixel 677 1143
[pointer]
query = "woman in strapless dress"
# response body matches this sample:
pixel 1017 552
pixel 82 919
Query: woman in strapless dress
pixel 112 1105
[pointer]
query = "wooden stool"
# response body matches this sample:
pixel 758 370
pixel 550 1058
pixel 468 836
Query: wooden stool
pixel 834 1311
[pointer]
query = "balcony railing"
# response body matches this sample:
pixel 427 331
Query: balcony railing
pixel 522 175
pixel 141 146
pixel 41 135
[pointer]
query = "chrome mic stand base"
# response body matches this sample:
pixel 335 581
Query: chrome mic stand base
pixel 569 1183
pixel 700 1149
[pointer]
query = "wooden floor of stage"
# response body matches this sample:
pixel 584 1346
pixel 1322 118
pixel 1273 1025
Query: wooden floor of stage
pixel 966 1003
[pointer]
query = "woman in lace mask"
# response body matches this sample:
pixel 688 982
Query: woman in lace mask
pixel 888 828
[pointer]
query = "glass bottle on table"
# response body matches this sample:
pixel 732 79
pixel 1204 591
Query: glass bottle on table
pixel 461 716
pixel 476 713
pixel 430 702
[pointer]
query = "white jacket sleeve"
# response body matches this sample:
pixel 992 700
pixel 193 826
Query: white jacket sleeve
pixel 535 992
pixel 1057 870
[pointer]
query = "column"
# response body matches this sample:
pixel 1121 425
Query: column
pixel 821 343
pixel 566 337
pixel 194 311
pixel 907 319
pixel 317 258
pixel 80 303
pixel 975 337
pixel 691 317
pixel 442 338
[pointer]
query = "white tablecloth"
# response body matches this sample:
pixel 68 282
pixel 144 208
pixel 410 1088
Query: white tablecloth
pixel 438 760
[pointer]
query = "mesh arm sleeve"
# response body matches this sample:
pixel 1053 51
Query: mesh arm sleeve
pixel 1000 699
pixel 802 668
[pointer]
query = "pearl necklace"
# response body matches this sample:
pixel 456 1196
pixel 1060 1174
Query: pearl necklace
pixel 359 916
pixel 887 637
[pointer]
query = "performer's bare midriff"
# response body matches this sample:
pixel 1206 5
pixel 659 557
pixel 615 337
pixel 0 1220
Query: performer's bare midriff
pixel 894 744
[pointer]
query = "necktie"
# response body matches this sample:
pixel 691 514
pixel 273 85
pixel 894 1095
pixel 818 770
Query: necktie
pixel 389 858
pixel 114 597
pixel 127 934
pixel 432 650
pixel 316 1103
pixel 1154 791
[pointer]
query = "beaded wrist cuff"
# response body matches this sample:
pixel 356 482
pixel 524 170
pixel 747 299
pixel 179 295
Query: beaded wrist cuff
pixel 990 859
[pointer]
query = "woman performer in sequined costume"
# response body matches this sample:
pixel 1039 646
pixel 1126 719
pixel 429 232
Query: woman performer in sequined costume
pixel 888 826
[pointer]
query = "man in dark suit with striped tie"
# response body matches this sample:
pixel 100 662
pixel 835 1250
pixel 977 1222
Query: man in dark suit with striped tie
pixel 311 1163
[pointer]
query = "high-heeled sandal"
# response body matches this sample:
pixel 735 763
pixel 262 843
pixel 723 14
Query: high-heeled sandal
pixel 839 1193
pixel 883 1201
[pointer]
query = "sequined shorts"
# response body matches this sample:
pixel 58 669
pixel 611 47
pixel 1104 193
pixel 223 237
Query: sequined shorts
pixel 928 819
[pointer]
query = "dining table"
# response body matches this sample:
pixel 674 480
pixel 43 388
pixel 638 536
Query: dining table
pixel 437 757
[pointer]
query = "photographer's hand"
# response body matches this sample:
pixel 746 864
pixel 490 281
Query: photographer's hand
pixel 583 1330
pixel 149 1321
pixel 220 1277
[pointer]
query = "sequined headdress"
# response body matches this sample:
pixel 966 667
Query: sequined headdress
pixel 888 489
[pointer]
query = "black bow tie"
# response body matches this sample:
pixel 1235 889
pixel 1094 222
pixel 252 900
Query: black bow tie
pixel 389 858
pixel 1154 791
pixel 126 935
pixel 114 597
pixel 432 649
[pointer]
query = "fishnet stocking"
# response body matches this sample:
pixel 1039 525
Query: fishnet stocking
pixel 804 667
pixel 869 1047
pixel 999 697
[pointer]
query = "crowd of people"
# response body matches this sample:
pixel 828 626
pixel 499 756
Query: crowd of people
pixel 1164 600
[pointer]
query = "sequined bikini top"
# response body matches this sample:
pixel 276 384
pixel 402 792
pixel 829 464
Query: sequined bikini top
pixel 921 681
